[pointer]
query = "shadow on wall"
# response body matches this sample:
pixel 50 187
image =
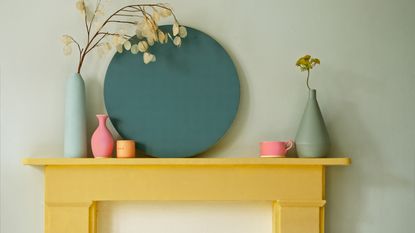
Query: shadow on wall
pixel 350 137
pixel 344 186
pixel 349 190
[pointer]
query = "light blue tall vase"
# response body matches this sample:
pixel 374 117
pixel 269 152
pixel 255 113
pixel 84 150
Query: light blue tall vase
pixel 75 138
pixel 312 139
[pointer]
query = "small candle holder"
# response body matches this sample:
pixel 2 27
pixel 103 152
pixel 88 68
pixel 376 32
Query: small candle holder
pixel 125 148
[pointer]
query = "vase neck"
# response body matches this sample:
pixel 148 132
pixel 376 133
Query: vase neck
pixel 77 75
pixel 312 94
pixel 102 119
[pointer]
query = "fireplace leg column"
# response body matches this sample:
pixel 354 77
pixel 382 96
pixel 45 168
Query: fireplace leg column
pixel 298 216
pixel 70 217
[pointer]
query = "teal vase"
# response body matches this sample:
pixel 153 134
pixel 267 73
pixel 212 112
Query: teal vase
pixel 75 138
pixel 312 139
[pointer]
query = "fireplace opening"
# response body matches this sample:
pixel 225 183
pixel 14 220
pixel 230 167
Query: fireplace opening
pixel 184 217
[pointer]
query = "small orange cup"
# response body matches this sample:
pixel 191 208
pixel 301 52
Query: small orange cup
pixel 125 148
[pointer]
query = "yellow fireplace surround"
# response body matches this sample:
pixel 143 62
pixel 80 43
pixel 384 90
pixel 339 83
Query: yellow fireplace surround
pixel 296 187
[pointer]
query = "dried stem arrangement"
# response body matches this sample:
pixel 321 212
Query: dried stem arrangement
pixel 144 17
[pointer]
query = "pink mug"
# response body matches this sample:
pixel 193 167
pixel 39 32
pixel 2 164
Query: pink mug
pixel 275 148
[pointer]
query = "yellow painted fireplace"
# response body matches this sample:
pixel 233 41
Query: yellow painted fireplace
pixel 296 187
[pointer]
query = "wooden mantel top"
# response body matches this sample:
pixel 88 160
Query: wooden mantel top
pixel 187 161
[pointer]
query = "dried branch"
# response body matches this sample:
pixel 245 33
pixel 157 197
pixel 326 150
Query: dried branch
pixel 104 34
pixel 129 10
pixel 164 7
pixel 80 53
pixel 127 15
pixel 93 17
pixel 131 14
pixel 115 34
pixel 86 23
pixel 89 50
pixel 149 18
pixel 77 44
pixel 122 21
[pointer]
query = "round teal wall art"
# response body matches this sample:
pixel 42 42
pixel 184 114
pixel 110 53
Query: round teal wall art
pixel 179 106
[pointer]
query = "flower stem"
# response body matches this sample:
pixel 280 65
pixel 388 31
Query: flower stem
pixel 308 76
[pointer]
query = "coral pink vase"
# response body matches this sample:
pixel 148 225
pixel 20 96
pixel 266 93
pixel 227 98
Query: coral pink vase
pixel 102 142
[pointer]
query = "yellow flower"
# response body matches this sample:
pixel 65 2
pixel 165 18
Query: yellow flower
pixel 301 61
pixel 315 60
pixel 307 62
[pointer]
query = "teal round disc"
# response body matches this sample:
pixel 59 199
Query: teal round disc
pixel 179 106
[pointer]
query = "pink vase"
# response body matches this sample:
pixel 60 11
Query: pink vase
pixel 102 142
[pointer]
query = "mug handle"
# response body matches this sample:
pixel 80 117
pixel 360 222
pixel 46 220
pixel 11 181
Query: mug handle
pixel 289 144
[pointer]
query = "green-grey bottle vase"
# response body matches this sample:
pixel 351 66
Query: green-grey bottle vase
pixel 312 139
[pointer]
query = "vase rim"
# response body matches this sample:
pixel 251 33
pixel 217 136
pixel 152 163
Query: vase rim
pixel 77 75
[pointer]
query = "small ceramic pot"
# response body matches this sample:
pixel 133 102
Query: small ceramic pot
pixel 125 148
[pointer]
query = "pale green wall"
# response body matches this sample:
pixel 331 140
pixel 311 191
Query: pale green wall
pixel 365 88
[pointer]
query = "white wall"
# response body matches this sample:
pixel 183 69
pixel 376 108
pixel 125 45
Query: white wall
pixel 366 90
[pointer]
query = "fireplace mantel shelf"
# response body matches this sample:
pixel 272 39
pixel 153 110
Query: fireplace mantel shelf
pixel 295 186
pixel 187 161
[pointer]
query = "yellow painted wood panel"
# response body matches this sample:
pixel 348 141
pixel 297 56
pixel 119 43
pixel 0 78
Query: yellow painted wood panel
pixel 254 183
pixel 70 218
pixel 298 216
